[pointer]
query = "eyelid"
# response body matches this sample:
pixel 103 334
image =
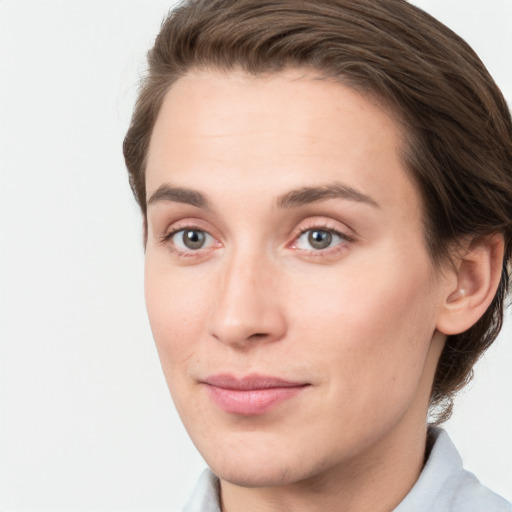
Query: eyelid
pixel 188 223
pixel 324 224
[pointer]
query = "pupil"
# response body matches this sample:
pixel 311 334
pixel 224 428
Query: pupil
pixel 193 239
pixel 320 239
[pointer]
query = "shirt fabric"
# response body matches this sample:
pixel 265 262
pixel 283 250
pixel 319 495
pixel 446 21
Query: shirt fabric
pixel 443 486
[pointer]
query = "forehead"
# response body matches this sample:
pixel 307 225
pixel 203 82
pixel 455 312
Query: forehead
pixel 268 134
pixel 216 104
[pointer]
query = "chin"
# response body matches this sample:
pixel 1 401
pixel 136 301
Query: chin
pixel 266 475
pixel 260 464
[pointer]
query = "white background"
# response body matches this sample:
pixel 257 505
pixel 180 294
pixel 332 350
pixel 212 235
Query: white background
pixel 86 422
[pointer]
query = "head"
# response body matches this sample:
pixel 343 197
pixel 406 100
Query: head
pixel 422 84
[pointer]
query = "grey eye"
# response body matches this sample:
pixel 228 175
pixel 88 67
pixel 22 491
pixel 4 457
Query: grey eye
pixel 319 239
pixel 191 239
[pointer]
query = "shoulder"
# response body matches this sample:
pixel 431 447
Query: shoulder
pixel 469 495
pixel 445 486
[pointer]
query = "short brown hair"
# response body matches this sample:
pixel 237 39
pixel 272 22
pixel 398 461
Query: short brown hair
pixel 458 147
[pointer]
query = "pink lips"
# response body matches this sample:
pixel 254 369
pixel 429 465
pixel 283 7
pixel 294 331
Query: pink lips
pixel 250 395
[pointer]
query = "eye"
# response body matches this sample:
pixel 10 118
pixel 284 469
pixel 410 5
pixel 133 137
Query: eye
pixel 186 240
pixel 318 239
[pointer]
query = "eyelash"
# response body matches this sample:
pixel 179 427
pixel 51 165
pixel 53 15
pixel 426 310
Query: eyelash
pixel 345 239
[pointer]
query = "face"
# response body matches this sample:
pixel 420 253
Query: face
pixel 288 286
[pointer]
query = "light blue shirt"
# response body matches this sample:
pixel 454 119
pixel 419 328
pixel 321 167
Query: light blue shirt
pixel 443 486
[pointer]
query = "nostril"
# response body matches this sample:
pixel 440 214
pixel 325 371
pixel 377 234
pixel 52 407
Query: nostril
pixel 257 335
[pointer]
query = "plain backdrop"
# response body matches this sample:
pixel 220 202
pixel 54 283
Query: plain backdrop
pixel 86 421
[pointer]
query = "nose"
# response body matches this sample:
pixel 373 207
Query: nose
pixel 247 309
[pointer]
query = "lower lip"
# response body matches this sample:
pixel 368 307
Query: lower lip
pixel 250 402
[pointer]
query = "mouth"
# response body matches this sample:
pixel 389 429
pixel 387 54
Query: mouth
pixel 250 395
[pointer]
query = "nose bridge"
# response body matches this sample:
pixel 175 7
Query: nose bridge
pixel 247 307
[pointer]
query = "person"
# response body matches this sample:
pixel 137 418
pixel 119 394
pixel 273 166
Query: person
pixel 326 188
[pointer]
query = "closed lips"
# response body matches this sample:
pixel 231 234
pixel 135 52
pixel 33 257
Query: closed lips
pixel 250 395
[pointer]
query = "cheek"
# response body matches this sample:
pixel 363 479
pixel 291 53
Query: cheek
pixel 369 344
pixel 177 308
pixel 375 325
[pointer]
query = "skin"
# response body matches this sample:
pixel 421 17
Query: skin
pixel 357 321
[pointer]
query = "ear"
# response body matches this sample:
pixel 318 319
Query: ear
pixel 476 276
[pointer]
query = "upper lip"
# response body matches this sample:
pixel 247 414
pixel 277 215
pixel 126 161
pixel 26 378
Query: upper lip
pixel 250 382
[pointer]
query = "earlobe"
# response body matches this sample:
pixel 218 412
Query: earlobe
pixel 477 276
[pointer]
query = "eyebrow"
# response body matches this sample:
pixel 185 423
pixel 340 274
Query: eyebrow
pixel 178 195
pixel 292 199
pixel 307 195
